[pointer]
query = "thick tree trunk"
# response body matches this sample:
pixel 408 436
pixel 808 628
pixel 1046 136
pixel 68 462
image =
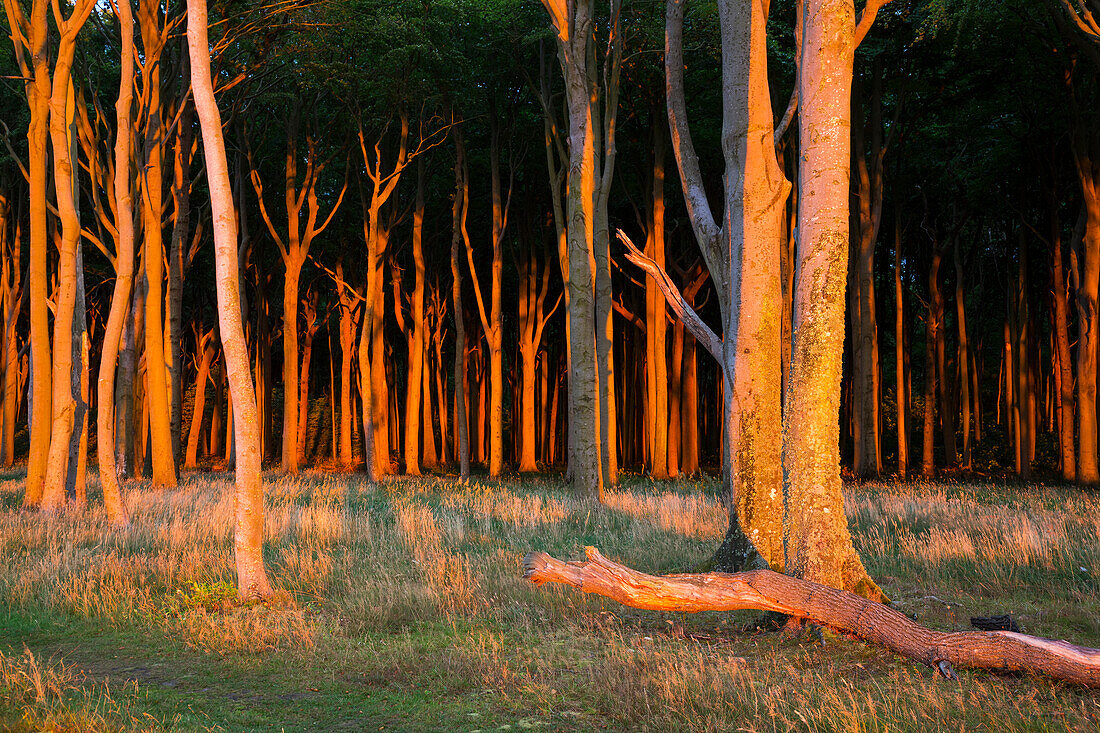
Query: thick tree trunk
pixel 846 612
pixel 252 579
pixel 1088 319
pixel 743 258
pixel 819 546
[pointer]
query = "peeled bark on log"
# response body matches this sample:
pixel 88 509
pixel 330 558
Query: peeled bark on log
pixel 846 612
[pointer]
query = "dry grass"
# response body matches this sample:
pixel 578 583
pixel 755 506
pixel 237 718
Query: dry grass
pixel 414 586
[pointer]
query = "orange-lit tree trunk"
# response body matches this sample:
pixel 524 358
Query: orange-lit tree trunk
pixel 491 321
pixel 933 324
pixel 68 407
pixel 438 312
pixel 32 40
pixel 372 367
pixel 533 318
pixel 458 235
pixel 252 579
pixel 1088 313
pixel 416 336
pixel 312 324
pixel 657 417
pixel 819 545
pixel 350 313
pixel 14 294
pixel 294 249
pixel 204 357
pixel 154 35
pixel 1062 351
pixel 124 276
pixel 179 259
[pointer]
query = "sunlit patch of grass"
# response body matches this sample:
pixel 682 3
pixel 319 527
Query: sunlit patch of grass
pixel 412 587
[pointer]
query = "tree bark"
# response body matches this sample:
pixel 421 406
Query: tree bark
pixel 124 277
pixel 204 357
pixel 819 545
pixel 743 259
pixel 900 353
pixel 61 471
pixel 154 35
pixel 36 73
pixel 252 579
pixel 1062 350
pixel 846 612
pixel 458 227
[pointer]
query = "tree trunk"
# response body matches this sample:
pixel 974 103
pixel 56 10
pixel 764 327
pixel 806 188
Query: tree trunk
pixel 964 357
pixel 656 324
pixel 36 72
pixel 309 305
pixel 900 355
pixel 124 271
pixel 252 579
pixel 154 36
pixel 819 547
pixel 177 261
pixel 846 612
pixel 1062 350
pixel 458 226
pixel 60 479
pixel 204 352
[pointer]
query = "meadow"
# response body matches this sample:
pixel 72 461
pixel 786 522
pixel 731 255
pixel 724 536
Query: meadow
pixel 401 607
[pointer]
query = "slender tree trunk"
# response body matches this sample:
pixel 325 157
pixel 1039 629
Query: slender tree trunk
pixel 900 355
pixel 964 357
pixel 309 305
pixel 60 479
pixel 252 579
pixel 204 350
pixel 153 36
pixel 177 264
pixel 124 266
pixel 656 323
pixel 458 224
pixel 414 394
pixel 1064 367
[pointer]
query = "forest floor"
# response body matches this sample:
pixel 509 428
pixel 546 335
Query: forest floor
pixel 402 608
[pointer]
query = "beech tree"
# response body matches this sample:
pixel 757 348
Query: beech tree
pixel 252 579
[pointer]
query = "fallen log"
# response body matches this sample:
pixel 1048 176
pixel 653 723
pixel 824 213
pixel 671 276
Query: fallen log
pixel 846 612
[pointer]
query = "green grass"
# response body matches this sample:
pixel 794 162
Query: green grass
pixel 401 608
